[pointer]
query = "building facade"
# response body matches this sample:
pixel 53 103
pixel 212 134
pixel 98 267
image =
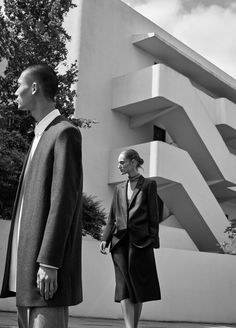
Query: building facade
pixel 150 92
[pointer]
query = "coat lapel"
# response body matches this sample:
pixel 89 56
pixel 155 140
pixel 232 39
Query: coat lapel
pixel 136 189
pixel 56 120
pixel 21 180
pixel 123 193
pixel 25 163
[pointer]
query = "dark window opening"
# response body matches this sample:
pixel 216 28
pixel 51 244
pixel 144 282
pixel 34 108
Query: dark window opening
pixel 159 134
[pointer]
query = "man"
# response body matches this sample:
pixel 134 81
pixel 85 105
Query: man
pixel 43 263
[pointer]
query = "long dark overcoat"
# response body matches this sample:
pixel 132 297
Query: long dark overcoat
pixel 50 231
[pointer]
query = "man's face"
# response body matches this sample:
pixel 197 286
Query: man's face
pixel 24 92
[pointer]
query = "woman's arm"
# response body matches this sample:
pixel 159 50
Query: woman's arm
pixel 107 234
pixel 153 213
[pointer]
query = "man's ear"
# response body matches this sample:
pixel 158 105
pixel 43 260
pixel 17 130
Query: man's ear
pixel 35 88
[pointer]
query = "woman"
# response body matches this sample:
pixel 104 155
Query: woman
pixel 132 233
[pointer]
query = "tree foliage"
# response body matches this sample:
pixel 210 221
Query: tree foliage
pixel 94 217
pixel 32 32
pixel 229 247
pixel 12 151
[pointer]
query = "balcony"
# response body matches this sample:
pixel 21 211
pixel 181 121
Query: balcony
pixel 162 96
pixel 183 190
pixel 184 60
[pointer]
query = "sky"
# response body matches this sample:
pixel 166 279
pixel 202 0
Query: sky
pixel 206 26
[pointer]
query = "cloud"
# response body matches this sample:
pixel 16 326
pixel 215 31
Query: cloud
pixel 136 2
pixel 205 26
pixel 161 12
pixel 210 32
pixel 189 4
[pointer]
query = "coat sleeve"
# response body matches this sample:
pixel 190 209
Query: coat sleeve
pixel 108 231
pixel 66 196
pixel 153 209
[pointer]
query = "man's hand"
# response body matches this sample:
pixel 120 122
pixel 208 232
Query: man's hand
pixel 103 248
pixel 47 282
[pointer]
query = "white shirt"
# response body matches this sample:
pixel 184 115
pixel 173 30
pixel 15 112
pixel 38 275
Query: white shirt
pixel 39 130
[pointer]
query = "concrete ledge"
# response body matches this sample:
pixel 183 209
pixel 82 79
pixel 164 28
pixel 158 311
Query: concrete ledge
pixel 196 287
pixel 186 61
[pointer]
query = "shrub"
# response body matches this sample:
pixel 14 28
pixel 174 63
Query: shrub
pixel 94 217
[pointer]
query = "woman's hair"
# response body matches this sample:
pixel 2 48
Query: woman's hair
pixel 133 154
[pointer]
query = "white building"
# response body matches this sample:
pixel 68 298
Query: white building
pixel 136 80
pixel 133 77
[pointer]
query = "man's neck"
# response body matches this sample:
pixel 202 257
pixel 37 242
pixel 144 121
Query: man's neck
pixel 43 110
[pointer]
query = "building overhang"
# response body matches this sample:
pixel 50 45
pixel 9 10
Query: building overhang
pixel 181 58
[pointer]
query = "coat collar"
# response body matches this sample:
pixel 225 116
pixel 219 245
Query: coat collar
pixel 136 189
pixel 41 126
pixel 56 120
pixel 135 192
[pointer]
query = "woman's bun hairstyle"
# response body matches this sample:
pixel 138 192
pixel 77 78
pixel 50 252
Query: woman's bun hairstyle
pixel 133 154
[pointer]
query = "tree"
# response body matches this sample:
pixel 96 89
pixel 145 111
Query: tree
pixel 32 32
pixel 229 247
pixel 94 217
pixel 12 150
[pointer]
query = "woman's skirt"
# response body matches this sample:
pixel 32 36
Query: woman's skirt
pixel 135 273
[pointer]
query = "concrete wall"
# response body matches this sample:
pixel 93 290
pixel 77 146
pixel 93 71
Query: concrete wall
pixel 104 52
pixel 194 286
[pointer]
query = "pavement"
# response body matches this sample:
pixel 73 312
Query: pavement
pixel 9 320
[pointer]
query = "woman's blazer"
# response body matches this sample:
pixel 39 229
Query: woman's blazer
pixel 140 217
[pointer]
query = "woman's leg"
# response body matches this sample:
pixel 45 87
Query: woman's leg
pixel 137 313
pixel 128 309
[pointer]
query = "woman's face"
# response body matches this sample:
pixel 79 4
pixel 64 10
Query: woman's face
pixel 125 165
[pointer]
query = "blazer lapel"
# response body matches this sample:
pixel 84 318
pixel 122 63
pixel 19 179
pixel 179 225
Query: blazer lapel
pixel 123 194
pixel 136 190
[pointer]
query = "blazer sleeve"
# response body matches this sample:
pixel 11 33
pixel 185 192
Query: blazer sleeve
pixel 66 196
pixel 153 209
pixel 109 229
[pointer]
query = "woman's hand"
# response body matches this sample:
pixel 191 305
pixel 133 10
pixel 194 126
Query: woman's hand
pixel 103 247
